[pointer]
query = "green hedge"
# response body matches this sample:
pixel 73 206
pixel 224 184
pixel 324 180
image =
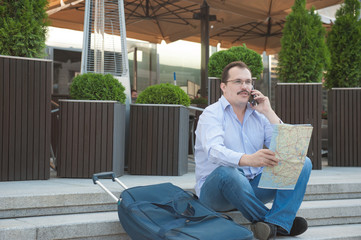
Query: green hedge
pixel 303 56
pixel 163 93
pixel 222 58
pixel 23 27
pixel 344 43
pixel 96 86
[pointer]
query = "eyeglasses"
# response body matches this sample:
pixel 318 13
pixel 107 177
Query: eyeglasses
pixel 239 82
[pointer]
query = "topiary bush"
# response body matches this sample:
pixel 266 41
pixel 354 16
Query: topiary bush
pixel 249 57
pixel 344 43
pixel 304 54
pixel 23 27
pixel 220 59
pixel 163 93
pixel 96 86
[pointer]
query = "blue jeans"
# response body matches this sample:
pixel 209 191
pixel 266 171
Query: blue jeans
pixel 227 188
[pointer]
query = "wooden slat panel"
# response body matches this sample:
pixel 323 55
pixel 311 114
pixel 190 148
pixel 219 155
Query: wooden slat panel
pixel 36 125
pixel 87 144
pixel 24 124
pixel 74 139
pixel 165 140
pixel 151 139
pixel 6 119
pixel 345 127
pixel 98 127
pixel 42 119
pixel 103 146
pixel 89 129
pixel 139 162
pixel 92 139
pixel 17 122
pixel 109 129
pixel 330 122
pixel 160 141
pixel 174 155
pixel 49 84
pixel 132 139
pixel 81 152
pixel 170 150
pixel 154 139
pixel 358 128
pixel 290 107
pixel 12 91
pixel 2 102
pixel 144 160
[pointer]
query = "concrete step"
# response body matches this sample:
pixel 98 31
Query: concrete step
pixel 106 226
pixel 319 213
pixel 69 196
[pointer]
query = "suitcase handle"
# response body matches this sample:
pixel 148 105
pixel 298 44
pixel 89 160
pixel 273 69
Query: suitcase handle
pixel 102 175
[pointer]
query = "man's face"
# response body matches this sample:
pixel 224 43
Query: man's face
pixel 134 94
pixel 238 87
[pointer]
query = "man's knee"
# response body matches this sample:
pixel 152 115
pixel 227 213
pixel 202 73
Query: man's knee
pixel 308 164
pixel 230 176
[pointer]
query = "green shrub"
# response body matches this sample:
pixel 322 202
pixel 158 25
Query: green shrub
pixel 344 43
pixel 163 93
pixel 23 27
pixel 220 59
pixel 199 100
pixel 96 86
pixel 304 54
pixel 249 57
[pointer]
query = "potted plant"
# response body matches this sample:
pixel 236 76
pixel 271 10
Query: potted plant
pixel 92 127
pixel 159 126
pixel 302 60
pixel 220 59
pixel 26 82
pixel 343 80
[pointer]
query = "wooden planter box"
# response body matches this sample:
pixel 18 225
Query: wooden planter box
pixel 344 127
pixel 92 137
pixel 158 141
pixel 300 103
pixel 214 90
pixel 25 93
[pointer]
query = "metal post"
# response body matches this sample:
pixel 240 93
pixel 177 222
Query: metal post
pixel 204 47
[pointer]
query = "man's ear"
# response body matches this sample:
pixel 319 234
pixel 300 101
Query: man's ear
pixel 223 86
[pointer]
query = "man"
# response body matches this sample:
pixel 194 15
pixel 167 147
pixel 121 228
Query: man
pixel 134 95
pixel 230 157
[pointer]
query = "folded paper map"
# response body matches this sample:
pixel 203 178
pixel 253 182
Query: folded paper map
pixel 290 143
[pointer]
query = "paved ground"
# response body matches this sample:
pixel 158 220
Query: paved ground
pixel 70 185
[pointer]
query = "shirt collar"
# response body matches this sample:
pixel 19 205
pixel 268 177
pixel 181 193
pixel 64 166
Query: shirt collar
pixel 224 103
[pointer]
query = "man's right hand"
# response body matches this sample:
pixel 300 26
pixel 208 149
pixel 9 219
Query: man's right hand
pixel 261 158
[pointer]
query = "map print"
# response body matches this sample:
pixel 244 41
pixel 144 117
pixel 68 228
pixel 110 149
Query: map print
pixel 290 143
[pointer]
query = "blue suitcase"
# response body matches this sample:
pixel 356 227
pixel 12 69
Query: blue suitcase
pixel 165 211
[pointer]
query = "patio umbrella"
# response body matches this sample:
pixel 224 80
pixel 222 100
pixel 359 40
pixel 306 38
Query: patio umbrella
pixel 148 20
pixel 263 25
pixel 258 23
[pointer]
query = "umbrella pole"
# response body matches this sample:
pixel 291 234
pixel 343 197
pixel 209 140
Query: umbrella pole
pixel 204 47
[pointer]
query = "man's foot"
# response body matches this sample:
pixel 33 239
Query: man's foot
pixel 299 226
pixel 263 230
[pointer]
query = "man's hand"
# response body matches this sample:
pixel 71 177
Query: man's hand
pixel 264 107
pixel 261 158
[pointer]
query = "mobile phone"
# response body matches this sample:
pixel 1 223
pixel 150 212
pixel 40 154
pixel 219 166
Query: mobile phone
pixel 251 100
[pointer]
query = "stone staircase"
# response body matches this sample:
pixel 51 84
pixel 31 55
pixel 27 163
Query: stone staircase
pixel 76 209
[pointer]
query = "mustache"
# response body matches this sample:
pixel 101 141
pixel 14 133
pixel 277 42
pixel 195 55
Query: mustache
pixel 244 91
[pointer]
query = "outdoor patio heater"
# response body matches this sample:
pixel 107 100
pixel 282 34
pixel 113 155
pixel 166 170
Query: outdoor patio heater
pixel 104 40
